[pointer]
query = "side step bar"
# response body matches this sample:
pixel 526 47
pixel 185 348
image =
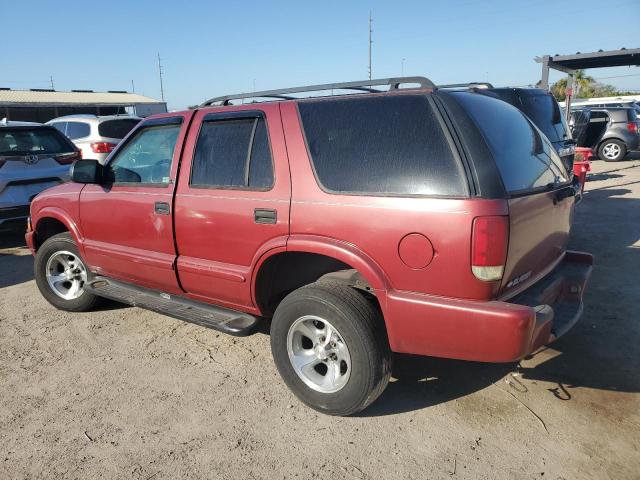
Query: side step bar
pixel 211 316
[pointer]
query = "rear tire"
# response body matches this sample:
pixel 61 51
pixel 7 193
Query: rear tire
pixel 330 346
pixel 612 150
pixel 60 274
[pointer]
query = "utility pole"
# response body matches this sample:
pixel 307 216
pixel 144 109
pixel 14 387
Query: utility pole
pixel 160 73
pixel 402 67
pixel 370 42
pixel 51 78
pixel 133 86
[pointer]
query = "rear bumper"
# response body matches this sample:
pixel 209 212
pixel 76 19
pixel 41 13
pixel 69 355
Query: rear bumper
pixel 491 331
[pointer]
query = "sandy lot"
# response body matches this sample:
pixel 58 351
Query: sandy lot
pixel 127 393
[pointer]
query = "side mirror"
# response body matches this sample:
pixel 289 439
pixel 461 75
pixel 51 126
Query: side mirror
pixel 87 171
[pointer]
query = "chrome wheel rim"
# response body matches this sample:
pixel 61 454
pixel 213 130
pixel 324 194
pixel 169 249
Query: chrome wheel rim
pixel 318 354
pixel 66 275
pixel 611 150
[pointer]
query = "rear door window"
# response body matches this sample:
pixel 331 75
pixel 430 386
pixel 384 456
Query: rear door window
pixel 78 130
pixel 390 144
pixel 233 153
pixel 526 159
pixel 117 128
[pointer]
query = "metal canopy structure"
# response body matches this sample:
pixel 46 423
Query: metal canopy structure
pixel 582 61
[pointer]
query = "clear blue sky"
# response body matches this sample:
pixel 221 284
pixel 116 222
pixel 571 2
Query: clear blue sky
pixel 210 48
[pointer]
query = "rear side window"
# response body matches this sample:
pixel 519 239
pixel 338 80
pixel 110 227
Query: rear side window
pixel 233 154
pixel 60 126
pixel 78 130
pixel 21 141
pixel 117 128
pixel 525 158
pixel 380 145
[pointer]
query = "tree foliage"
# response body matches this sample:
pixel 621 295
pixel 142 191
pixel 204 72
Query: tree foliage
pixel 584 87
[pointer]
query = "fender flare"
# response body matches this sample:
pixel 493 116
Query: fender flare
pixel 63 217
pixel 329 247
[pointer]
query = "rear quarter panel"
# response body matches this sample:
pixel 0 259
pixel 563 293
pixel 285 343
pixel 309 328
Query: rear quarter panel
pixel 375 225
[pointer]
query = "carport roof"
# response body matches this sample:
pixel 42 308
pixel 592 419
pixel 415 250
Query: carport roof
pixel 24 98
pixel 599 59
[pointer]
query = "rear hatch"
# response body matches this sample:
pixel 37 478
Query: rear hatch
pixel 537 184
pixel 31 159
pixel 543 110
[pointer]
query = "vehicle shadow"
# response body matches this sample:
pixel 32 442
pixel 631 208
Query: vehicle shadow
pixel 12 236
pixel 16 264
pixel 600 352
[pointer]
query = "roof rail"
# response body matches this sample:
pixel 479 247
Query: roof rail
pixel 363 85
pixel 467 85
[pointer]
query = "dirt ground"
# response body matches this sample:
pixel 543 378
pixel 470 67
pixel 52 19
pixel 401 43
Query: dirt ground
pixel 127 393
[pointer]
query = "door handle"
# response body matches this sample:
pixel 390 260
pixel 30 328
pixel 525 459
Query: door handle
pixel 162 208
pixel 261 215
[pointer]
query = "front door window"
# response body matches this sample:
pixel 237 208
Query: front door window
pixel 146 158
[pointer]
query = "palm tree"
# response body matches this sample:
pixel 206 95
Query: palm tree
pixel 582 82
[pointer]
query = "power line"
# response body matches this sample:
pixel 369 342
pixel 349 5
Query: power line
pixel 617 76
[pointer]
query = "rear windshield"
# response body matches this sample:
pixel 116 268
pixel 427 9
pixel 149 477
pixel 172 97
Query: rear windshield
pixel 380 145
pixel 525 158
pixel 24 141
pixel 117 128
pixel 544 111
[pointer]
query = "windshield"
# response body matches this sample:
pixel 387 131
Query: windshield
pixel 36 141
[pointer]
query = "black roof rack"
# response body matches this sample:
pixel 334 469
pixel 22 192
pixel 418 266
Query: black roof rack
pixel 467 85
pixel 363 86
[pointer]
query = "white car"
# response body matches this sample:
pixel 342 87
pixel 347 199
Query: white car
pixel 95 136
pixel 33 157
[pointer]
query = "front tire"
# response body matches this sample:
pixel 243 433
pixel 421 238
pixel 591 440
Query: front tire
pixel 612 150
pixel 330 346
pixel 61 274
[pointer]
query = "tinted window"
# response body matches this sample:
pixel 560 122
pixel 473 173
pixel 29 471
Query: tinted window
pixel 386 145
pixel 261 166
pixel 60 126
pixel 146 158
pixel 525 158
pixel 233 153
pixel 543 110
pixel 77 130
pixel 33 141
pixel 117 128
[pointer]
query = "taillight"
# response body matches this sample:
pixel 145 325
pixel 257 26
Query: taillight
pixel 102 147
pixel 632 127
pixel 69 158
pixel 490 238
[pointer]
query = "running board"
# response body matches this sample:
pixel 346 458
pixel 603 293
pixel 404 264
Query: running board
pixel 211 316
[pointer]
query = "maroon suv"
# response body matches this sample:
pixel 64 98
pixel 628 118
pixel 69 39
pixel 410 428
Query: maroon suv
pixel 400 218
